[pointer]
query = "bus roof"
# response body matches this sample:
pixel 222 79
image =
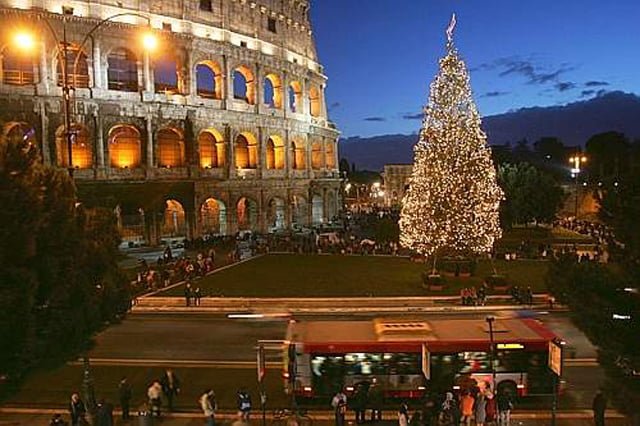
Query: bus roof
pixel 412 333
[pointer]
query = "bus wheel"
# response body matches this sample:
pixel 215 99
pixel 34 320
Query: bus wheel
pixel 508 388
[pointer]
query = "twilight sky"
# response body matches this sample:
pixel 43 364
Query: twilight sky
pixel 381 55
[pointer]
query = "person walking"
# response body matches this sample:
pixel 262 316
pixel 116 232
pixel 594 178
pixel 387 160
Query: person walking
pixel 244 405
pixel 125 392
pixel 209 406
pixel 77 410
pixel 403 414
pixel 491 408
pixel 376 401
pixel 187 294
pixel 504 408
pixel 339 405
pixel 359 401
pixel 480 409
pixel 170 386
pixel 154 393
pixel 599 407
pixel 466 407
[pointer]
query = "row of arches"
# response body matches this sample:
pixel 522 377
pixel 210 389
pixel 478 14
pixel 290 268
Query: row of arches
pixel 124 73
pixel 125 150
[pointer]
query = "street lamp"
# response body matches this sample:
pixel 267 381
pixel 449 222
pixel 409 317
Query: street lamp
pixel 577 160
pixel 490 320
pixel 27 42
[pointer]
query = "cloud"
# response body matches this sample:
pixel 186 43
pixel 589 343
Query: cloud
pixel 595 93
pixel 586 93
pixel 602 92
pixel 375 119
pixel 334 106
pixel 411 116
pixel 595 83
pixel 494 94
pixel 563 86
pixel 533 73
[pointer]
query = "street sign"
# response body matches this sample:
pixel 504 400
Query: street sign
pixel 261 363
pixel 555 357
pixel 426 362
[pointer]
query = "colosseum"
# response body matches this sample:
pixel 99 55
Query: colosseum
pixel 187 117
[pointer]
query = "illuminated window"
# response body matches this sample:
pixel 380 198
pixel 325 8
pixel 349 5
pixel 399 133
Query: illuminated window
pixel 246 151
pixel 81 152
pixel 244 84
pixel 124 147
pixel 165 74
pixel 170 148
pixel 213 216
pixel 295 97
pixel 316 155
pixel 18 69
pixel 209 80
pixel 273 91
pixel 212 149
pixel 77 68
pixel 174 219
pixel 122 71
pixel 246 214
pixel 298 155
pixel 275 153
pixel 314 99
pixel 330 155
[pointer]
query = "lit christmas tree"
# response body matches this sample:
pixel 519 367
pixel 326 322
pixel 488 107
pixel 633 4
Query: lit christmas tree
pixel 451 205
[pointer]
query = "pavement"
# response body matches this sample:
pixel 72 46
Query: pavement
pixel 36 417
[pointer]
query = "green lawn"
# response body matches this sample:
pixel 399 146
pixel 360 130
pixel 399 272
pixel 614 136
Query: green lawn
pixel 284 275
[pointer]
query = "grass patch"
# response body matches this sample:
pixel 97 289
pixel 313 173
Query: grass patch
pixel 349 276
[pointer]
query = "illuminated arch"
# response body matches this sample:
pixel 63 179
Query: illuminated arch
pixel 316 155
pixel 273 91
pixel 275 214
pixel 125 147
pixel 294 93
pixel 81 150
pixel 165 73
pixel 213 216
pixel 170 146
pixel 18 68
pixel 77 74
pixel 298 155
pixel 330 155
pixel 246 151
pixel 212 149
pixel 122 71
pixel 247 214
pixel 209 79
pixel 315 101
pixel 275 153
pixel 174 224
pixel 317 210
pixel 299 210
pixel 244 84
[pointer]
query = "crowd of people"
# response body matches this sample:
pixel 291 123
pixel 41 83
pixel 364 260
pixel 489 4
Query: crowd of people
pixel 469 296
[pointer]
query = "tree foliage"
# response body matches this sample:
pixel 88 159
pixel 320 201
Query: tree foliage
pixel 530 194
pixel 59 281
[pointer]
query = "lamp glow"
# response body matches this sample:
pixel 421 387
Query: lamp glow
pixel 24 41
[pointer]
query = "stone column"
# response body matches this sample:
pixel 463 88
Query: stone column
pixel 98 70
pixel 100 139
pixel 228 72
pixel 44 135
pixel 148 75
pixel 231 163
pixel 150 142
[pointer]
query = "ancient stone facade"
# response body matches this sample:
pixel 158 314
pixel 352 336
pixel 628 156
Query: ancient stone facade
pixel 222 126
pixel 396 178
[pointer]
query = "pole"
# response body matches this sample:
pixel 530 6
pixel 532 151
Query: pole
pixel 87 386
pixel 577 189
pixel 66 95
pixel 490 321
pixel 554 401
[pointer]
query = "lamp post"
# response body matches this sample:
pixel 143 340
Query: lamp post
pixel 26 41
pixel 577 160
pixel 490 320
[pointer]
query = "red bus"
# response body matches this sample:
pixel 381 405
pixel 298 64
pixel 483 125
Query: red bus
pixel 396 354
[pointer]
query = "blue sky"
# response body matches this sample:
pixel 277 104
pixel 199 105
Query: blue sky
pixel 381 55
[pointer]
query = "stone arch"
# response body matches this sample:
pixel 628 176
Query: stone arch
pixel 273 90
pixel 330 155
pixel 315 101
pixel 81 149
pixel 299 211
pixel 122 70
pixel 21 130
pixel 317 209
pixel 213 217
pixel 131 224
pixel 294 94
pixel 77 73
pixel 244 84
pixel 276 214
pixel 247 214
pixel 316 155
pixel 125 147
pixel 275 153
pixel 18 68
pixel 166 72
pixel 170 146
pixel 246 151
pixel 212 149
pixel 298 154
pixel 209 79
pixel 332 205
pixel 174 224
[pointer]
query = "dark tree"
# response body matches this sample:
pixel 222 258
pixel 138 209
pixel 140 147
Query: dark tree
pixel 608 156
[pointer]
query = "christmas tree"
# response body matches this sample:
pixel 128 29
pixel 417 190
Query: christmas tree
pixel 452 202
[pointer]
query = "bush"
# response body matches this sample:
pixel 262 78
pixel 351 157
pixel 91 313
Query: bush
pixel 494 281
pixel 457 267
pixel 429 280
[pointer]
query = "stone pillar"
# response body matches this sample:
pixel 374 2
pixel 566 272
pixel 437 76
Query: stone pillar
pixel 258 88
pixel 228 71
pixel 98 71
pixel 190 218
pixel 100 139
pixel 44 135
pixel 148 75
pixel 231 160
pixel 150 142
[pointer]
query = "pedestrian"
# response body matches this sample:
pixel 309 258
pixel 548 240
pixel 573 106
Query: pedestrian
pixel 504 408
pixel 124 392
pixel 403 414
pixel 491 408
pixel 599 407
pixel 187 294
pixel 376 401
pixel 429 410
pixel 170 386
pixel 244 405
pixel 466 407
pixel 209 406
pixel 197 295
pixel 339 405
pixel 154 393
pixel 78 410
pixel 359 401
pixel 104 414
pixel 480 409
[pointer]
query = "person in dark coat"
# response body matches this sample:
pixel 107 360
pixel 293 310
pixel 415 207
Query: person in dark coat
pixel 77 410
pixel 170 386
pixel 104 414
pixel 376 401
pixel 359 401
pixel 124 392
pixel 599 407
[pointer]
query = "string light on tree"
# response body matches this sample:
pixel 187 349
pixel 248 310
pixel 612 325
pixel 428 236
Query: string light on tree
pixel 453 199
